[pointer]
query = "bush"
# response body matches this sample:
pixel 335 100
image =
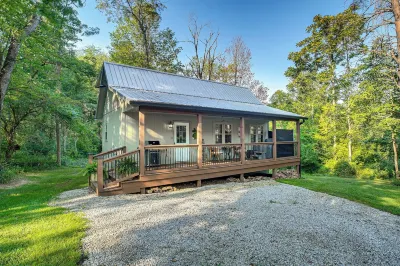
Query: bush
pixel 7 173
pixel 344 169
pixel 28 161
pixel 366 173
pixel 382 174
pixel 91 168
pixel 396 182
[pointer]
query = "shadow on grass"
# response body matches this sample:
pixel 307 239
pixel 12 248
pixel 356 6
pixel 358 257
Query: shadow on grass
pixel 32 230
pixel 380 194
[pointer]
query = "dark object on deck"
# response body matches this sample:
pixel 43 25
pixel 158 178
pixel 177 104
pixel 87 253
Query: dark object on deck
pixel 152 156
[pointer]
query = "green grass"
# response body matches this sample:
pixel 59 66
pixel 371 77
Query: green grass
pixel 34 233
pixel 380 194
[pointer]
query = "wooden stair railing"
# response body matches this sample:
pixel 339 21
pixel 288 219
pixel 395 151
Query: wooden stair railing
pixel 103 156
pixel 108 154
pixel 114 170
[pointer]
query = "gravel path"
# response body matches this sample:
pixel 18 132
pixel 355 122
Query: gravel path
pixel 255 223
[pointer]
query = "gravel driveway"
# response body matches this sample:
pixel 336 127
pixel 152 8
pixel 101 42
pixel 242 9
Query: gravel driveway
pixel 254 223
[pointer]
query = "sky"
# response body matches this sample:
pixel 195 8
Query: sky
pixel 270 29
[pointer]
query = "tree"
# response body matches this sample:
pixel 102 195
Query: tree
pixel 202 64
pixel 138 40
pixel 317 77
pixel 385 14
pixel 239 63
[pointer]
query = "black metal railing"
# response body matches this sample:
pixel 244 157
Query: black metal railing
pixel 259 151
pixel 122 167
pixel 221 153
pixel 159 157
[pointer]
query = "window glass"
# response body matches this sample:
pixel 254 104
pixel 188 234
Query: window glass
pixel 181 134
pixel 218 133
pixel 256 134
pixel 260 133
pixel 228 133
pixel 223 133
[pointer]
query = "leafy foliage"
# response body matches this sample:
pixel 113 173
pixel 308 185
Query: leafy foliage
pixel 344 169
pixel 127 166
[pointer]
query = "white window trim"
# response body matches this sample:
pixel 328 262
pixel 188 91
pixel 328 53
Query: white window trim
pixel 223 131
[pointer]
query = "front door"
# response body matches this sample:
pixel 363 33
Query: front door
pixel 181 137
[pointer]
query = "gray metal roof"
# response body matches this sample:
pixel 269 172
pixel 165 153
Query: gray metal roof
pixel 154 87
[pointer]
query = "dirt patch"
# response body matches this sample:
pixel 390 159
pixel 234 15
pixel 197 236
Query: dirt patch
pixel 15 183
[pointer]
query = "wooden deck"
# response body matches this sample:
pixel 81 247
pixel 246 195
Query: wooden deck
pixel 186 174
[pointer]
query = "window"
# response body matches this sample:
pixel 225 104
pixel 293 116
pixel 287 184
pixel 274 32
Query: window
pixel 105 133
pixel 256 134
pixel 228 133
pixel 218 133
pixel 223 133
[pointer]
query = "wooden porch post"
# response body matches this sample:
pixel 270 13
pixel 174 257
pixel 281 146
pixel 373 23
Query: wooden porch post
pixel 274 149
pixel 90 158
pixel 141 143
pixel 199 141
pixel 298 147
pixel 100 185
pixel 242 141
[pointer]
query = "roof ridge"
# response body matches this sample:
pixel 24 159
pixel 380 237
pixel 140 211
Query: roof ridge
pixel 177 75
pixel 137 89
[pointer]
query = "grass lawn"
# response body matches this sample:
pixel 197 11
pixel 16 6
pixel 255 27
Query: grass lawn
pixel 380 194
pixel 33 233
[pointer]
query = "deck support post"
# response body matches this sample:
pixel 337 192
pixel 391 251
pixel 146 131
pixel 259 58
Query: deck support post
pixel 141 143
pixel 274 173
pixel 143 191
pixel 274 149
pixel 241 177
pixel 100 185
pixel 199 141
pixel 242 141
pixel 198 183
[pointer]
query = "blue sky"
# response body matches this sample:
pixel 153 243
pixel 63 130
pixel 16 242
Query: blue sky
pixel 270 29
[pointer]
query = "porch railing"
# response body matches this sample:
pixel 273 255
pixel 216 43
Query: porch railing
pixel 120 168
pixel 221 153
pixel 170 156
pixel 259 151
pixel 109 154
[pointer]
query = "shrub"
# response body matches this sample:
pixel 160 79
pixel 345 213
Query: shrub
pixel 382 174
pixel 7 173
pixel 396 182
pixel 91 168
pixel 344 169
pixel 127 166
pixel 366 173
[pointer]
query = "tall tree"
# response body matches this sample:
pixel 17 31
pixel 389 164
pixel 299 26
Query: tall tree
pixel 202 64
pixel 138 40
pixel 239 62
pixel 385 14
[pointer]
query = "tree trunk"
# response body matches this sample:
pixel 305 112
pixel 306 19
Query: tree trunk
pixel 10 145
pixel 11 58
pixel 396 13
pixel 58 141
pixel 396 159
pixel 350 140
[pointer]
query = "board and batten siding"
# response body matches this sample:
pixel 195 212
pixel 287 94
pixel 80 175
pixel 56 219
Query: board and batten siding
pixel 122 128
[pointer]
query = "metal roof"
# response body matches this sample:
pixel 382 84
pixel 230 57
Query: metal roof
pixel 153 87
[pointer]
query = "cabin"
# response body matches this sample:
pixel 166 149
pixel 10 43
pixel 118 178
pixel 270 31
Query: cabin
pixel 161 128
